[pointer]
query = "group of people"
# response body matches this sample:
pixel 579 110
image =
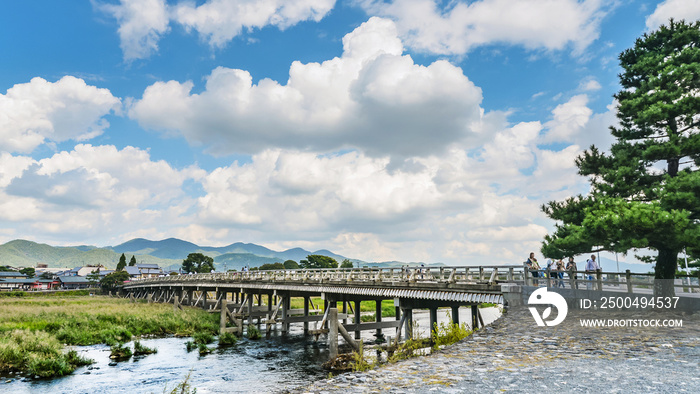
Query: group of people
pixel 556 269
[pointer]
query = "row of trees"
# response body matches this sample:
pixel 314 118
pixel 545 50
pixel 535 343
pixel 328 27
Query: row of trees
pixel 122 262
pixel 199 263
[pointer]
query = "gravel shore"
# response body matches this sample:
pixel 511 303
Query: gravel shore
pixel 513 354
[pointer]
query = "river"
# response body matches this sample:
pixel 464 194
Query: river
pixel 266 365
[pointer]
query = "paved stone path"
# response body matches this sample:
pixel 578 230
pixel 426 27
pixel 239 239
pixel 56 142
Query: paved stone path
pixel 513 354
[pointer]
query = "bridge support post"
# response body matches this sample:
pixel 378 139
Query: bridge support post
pixel 357 320
pixel 333 333
pixel 306 315
pixel 408 325
pixel 250 308
pixel 433 321
pixel 224 317
pixel 149 298
pixel 345 312
pixel 176 303
pixel 378 315
pixel 475 318
pixel 285 309
pixel 269 306
pixel 455 315
pixel 204 299
pixel 259 306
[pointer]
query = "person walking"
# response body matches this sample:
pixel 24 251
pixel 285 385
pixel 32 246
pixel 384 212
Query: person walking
pixel 591 267
pixel 560 273
pixel 571 267
pixel 534 267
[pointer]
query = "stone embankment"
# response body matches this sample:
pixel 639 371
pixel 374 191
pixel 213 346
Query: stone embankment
pixel 513 354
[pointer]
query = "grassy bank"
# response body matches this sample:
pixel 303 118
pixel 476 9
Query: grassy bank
pixel 50 321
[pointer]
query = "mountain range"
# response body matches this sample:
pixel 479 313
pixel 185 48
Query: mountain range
pixel 169 253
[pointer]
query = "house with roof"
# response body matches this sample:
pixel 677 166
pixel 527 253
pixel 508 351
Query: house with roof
pixel 149 270
pixel 75 282
pixel 12 275
pixel 133 271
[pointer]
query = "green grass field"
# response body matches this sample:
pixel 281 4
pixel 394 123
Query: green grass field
pixel 34 328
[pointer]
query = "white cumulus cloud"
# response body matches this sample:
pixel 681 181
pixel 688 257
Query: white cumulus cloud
pixel 456 27
pixel 40 111
pixel 92 191
pixel 371 98
pixel 676 9
pixel 141 24
pixel 222 20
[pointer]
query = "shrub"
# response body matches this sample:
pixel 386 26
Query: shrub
pixel 139 349
pixel 203 338
pixel 203 349
pixel 120 352
pixel 227 339
pixel 253 332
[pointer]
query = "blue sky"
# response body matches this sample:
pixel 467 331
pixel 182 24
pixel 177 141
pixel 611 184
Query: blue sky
pixel 413 130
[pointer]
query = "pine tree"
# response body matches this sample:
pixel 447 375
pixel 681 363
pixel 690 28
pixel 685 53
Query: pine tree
pixel 132 262
pixel 646 192
pixel 122 262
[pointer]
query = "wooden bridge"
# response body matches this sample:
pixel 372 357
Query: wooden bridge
pixel 265 296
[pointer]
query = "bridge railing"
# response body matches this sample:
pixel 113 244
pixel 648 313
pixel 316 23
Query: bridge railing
pixel 463 274
pixel 627 281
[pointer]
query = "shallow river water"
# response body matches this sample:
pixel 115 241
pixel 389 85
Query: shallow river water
pixel 266 365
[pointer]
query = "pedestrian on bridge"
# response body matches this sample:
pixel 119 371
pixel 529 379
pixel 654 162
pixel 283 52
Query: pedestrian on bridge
pixel 560 273
pixel 591 267
pixel 534 267
pixel 571 267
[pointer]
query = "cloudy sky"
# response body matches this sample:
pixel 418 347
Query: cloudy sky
pixel 413 130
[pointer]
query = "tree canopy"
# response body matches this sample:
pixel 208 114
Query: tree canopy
pixel 122 262
pixel 132 262
pixel 318 261
pixel 29 271
pixel 114 279
pixel 270 266
pixel 197 263
pixel 291 265
pixel 346 264
pixel 645 193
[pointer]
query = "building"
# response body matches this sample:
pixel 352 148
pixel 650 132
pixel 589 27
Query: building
pixel 28 284
pixel 16 283
pixel 149 270
pixel 75 282
pixel 12 275
pixel 88 269
pixel 133 271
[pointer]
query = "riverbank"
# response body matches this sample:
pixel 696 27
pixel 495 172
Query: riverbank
pixel 513 354
pixel 35 328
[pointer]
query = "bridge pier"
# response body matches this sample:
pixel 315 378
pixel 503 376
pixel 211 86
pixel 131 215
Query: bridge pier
pixel 433 321
pixel 408 330
pixel 357 320
pixel 306 315
pixel 455 315
pixel 250 308
pixel 378 318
